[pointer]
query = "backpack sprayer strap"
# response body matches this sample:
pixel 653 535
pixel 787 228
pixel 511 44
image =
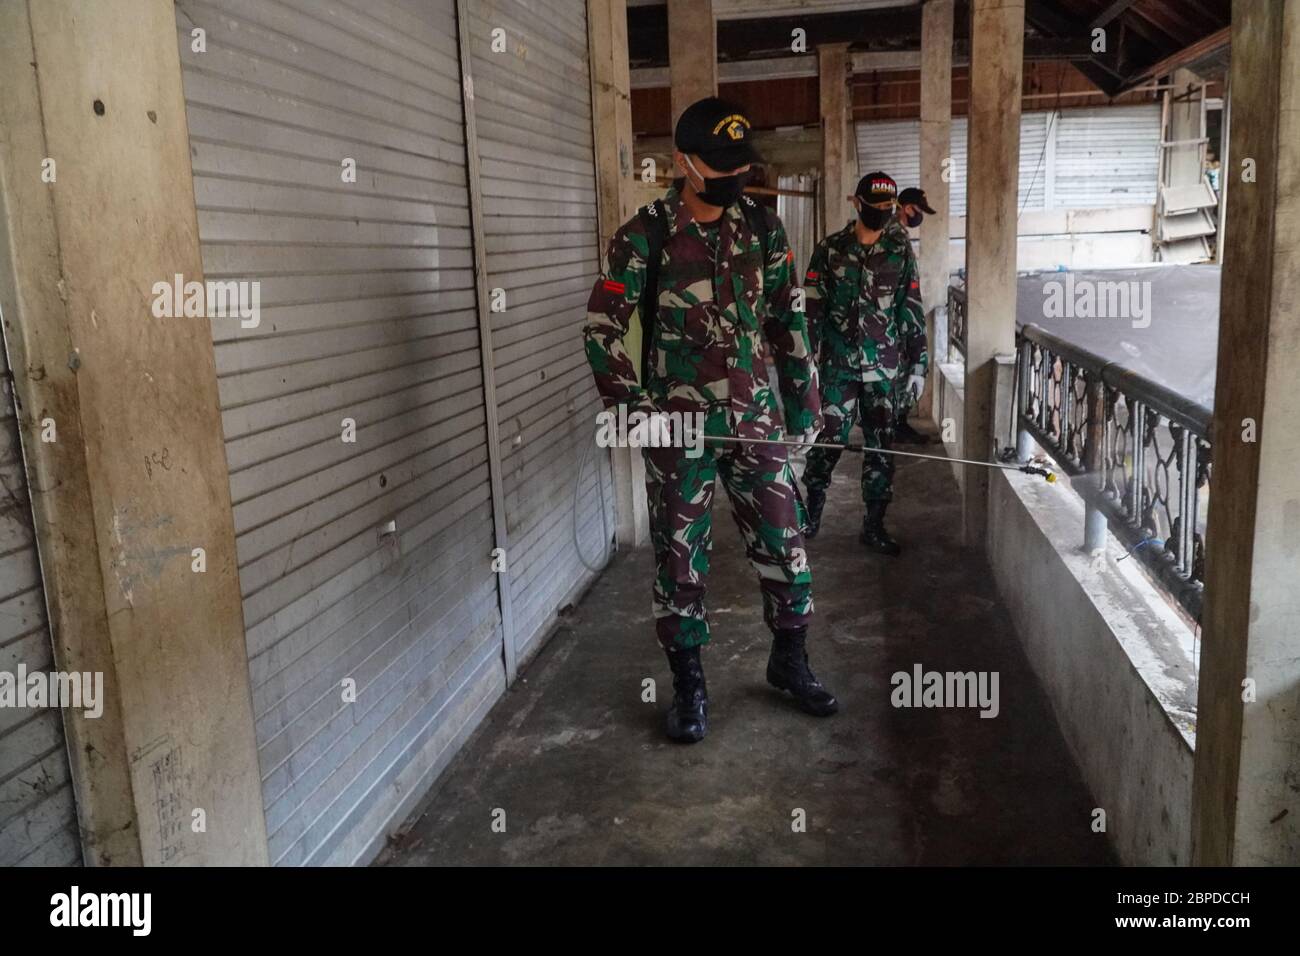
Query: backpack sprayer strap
pixel 654 218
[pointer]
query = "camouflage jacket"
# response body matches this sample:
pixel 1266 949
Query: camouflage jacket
pixel 864 307
pixel 714 311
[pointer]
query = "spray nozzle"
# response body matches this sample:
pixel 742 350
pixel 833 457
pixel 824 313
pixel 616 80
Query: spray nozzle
pixel 1035 470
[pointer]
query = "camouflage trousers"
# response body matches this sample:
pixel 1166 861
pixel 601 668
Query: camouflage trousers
pixel 760 484
pixel 843 404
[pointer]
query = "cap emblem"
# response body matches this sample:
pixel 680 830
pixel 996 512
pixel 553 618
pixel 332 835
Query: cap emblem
pixel 735 125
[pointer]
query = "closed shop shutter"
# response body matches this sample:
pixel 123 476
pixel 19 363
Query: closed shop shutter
pixel 957 183
pixel 368 314
pixel 1077 158
pixel 1035 159
pixel 797 215
pixel 892 146
pixel 532 107
pixel 1108 156
pixel 38 814
pixel 1032 140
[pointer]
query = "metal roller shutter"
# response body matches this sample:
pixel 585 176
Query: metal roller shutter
pixel 1032 140
pixel 957 184
pixel 1108 156
pixel 893 146
pixel 369 313
pixel 1035 159
pixel 797 215
pixel 38 813
pixel 532 107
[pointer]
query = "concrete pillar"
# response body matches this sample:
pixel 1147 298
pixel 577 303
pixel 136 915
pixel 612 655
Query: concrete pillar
pixel 992 175
pixel 1245 802
pixel 850 171
pixel 136 478
pixel 833 73
pixel 611 105
pixel 692 53
pixel 936 146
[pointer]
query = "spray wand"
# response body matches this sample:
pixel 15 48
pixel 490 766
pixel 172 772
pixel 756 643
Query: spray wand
pixel 1028 469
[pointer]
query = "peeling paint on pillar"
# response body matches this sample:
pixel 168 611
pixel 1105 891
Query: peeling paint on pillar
pixel 122 385
pixel 997 66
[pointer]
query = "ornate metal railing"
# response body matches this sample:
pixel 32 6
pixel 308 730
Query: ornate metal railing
pixel 1139 453
pixel 957 318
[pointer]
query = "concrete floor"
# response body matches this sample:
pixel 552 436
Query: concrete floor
pixel 585 775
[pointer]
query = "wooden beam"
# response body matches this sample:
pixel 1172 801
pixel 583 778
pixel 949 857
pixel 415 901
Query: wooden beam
pixel 833 69
pixel 1111 12
pixel 1213 43
pixel 1043 16
pixel 935 146
pixel 1184 29
pixel 1244 801
pixel 1161 25
pixel 692 60
pixel 136 479
pixel 993 160
pixel 611 116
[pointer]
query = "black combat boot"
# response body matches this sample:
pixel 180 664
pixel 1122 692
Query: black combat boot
pixel 814 501
pixel 787 669
pixel 874 535
pixel 688 717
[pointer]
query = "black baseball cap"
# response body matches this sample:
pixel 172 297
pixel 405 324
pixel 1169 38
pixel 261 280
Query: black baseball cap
pixel 718 132
pixel 914 197
pixel 876 187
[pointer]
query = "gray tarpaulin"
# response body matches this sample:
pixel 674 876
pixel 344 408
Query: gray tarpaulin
pixel 1167 330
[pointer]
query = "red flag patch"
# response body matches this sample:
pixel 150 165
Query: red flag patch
pixel 811 277
pixel 612 286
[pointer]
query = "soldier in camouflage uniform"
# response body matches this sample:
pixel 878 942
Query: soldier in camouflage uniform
pixel 720 293
pixel 864 315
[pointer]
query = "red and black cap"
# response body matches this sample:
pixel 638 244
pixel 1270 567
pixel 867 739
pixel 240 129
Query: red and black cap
pixel 876 188
pixel 718 132
pixel 914 197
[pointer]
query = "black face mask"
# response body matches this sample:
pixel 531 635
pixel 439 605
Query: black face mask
pixel 873 218
pixel 914 221
pixel 721 190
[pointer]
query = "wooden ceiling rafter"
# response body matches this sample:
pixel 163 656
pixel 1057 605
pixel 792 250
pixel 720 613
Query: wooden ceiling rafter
pixel 1140 34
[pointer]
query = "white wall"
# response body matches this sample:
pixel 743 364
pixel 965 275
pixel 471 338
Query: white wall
pixel 1114 658
pixel 1107 649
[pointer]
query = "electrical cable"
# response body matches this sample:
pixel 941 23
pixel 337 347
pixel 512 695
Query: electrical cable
pixel 1051 124
pixel 604 523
